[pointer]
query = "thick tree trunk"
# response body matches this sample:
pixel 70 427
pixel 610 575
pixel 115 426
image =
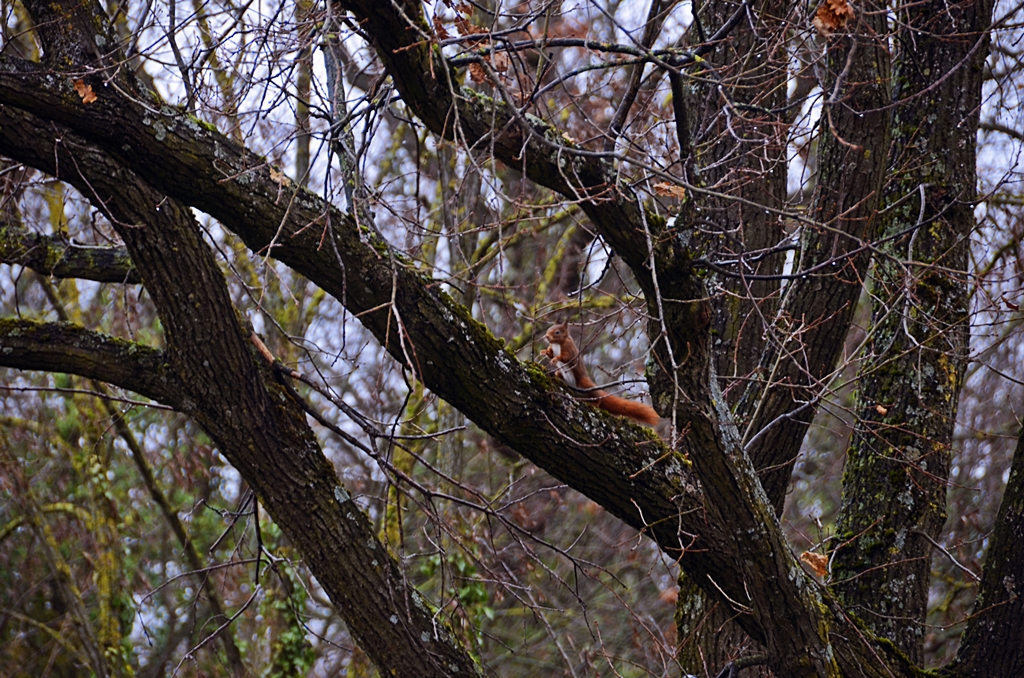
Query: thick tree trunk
pixel 993 640
pixel 256 424
pixel 734 108
pixel 894 494
pixel 227 388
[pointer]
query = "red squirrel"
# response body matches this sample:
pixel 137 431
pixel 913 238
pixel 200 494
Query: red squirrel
pixel 563 354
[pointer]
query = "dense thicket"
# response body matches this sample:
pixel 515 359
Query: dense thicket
pixel 274 287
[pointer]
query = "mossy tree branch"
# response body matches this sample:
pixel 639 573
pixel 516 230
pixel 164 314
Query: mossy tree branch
pixel 72 349
pixel 53 256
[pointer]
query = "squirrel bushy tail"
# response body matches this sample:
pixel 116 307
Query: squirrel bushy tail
pixel 640 412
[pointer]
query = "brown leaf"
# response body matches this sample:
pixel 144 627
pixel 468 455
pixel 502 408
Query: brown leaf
pixel 442 34
pixel 279 178
pixel 843 9
pixel 467 28
pixel 817 562
pixel 84 91
pixel 881 410
pixel 831 16
pixel 477 73
pixel 500 61
pixel 663 188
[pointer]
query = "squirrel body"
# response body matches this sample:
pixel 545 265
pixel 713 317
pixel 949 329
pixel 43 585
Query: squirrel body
pixel 565 356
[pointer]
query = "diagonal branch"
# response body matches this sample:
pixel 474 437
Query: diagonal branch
pixel 258 427
pixel 209 171
pixel 457 357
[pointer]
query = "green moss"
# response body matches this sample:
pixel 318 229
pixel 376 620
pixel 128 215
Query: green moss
pixel 539 376
pixel 480 331
pixel 208 126
pixel 656 221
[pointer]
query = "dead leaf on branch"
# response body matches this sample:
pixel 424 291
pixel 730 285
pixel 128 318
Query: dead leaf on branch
pixel 816 561
pixel 466 27
pixel 477 73
pixel 831 16
pixel 84 91
pixel 500 61
pixel 662 188
pixel 279 178
pixel 439 29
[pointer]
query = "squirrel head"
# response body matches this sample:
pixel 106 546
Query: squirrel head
pixel 556 334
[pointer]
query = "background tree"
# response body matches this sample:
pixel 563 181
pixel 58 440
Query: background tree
pixel 257 415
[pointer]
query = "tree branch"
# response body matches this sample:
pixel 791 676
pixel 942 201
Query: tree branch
pixel 455 356
pixel 816 311
pixel 232 394
pixel 55 257
pixel 72 349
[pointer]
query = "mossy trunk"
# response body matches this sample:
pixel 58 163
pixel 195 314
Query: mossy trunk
pixel 894 494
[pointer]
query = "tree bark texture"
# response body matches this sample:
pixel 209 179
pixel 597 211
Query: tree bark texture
pixel 898 465
pixel 735 109
pixel 226 387
pixel 817 307
pixel 52 256
pixel 144 164
pixel 991 644
pixel 254 421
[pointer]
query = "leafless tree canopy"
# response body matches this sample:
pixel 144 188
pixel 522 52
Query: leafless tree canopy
pixel 274 288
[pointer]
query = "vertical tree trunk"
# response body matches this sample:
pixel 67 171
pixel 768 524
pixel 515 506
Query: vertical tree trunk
pixel 735 109
pixel 896 471
pixel 817 307
pixel 991 644
pixel 732 109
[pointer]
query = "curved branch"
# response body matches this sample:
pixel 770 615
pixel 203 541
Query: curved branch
pixel 455 356
pixel 72 349
pixel 452 350
pixel 255 424
pixel 55 257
